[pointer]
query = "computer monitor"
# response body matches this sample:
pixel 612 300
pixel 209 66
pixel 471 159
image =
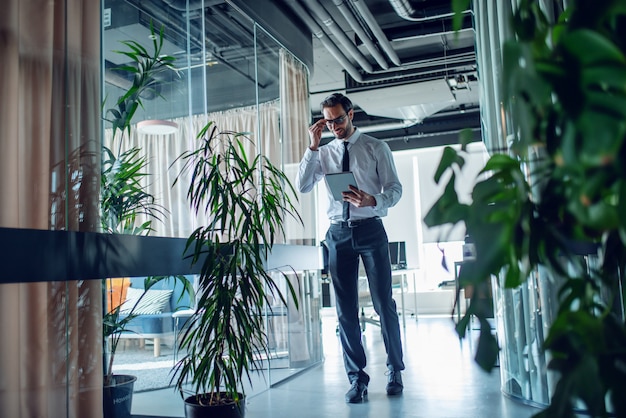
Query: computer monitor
pixel 397 254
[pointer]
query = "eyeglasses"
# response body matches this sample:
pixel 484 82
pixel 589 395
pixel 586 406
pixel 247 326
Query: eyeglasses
pixel 337 121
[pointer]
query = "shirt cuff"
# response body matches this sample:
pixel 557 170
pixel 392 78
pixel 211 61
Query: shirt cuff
pixel 310 155
pixel 378 198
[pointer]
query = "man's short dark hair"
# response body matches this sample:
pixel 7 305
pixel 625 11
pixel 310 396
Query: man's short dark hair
pixel 335 99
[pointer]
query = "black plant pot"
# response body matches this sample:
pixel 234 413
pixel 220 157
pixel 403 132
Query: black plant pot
pixel 196 409
pixel 118 397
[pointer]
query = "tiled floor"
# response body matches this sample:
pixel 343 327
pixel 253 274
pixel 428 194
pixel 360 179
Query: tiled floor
pixel 441 381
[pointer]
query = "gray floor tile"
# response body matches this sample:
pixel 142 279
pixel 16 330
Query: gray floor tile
pixel 441 381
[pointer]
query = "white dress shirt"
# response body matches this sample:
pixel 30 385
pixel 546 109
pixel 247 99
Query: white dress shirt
pixel 372 163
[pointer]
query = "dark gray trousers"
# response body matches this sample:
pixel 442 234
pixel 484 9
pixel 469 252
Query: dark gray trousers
pixel 345 245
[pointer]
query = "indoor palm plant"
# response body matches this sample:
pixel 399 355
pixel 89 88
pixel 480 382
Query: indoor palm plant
pixel 244 201
pixel 559 194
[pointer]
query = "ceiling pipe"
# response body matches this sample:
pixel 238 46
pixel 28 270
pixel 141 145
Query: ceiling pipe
pixel 175 20
pixel 181 5
pixel 431 34
pixel 390 126
pixel 422 135
pixel 358 29
pixel 121 82
pixel 404 9
pixel 367 16
pixel 420 71
pixel 176 23
pixel 323 15
pixel 227 28
pixel 319 34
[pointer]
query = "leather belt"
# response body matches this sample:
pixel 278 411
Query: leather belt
pixel 355 223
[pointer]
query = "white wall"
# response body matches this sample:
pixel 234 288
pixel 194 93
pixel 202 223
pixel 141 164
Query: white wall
pixel 416 170
pixel 428 161
pixel 404 222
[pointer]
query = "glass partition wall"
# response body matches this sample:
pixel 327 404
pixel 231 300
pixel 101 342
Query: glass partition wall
pixel 58 79
pixel 228 71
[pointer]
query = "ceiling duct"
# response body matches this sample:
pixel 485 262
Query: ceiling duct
pixel 185 5
pixel 432 67
pixel 405 10
pixel 358 29
pixel 411 103
pixel 124 80
pixel 227 48
pixel 323 15
pixel 321 36
pixel 367 16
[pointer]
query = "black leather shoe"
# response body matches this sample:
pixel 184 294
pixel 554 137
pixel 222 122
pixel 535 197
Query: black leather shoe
pixel 394 382
pixel 357 392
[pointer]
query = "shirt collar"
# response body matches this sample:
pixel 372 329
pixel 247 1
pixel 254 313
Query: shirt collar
pixel 352 138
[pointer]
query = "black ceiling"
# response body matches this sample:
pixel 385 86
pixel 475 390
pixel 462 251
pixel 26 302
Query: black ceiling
pixel 362 47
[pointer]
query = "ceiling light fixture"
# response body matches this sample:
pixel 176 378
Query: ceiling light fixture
pixel 157 127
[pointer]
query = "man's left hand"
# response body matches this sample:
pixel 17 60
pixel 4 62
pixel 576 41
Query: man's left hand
pixel 359 198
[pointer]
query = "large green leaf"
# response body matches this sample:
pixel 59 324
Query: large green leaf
pixel 559 193
pixel 458 7
pixel 447 209
pixel 592 48
pixel 449 159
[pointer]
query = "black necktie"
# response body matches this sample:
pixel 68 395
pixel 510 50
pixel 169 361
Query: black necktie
pixel 346 167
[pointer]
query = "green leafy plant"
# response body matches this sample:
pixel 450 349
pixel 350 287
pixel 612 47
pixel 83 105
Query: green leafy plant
pixel 122 196
pixel 116 321
pixel 245 201
pixel 558 195
pixel 144 69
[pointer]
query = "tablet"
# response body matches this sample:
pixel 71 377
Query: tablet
pixel 340 182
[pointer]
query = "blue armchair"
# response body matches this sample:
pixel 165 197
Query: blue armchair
pixel 154 311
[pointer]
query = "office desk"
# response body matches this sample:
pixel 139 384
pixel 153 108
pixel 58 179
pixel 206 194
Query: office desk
pixel 403 273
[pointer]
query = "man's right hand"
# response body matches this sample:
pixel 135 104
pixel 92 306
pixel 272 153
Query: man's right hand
pixel 315 134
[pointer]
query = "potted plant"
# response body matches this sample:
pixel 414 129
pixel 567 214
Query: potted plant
pixel 559 193
pixel 245 201
pixel 122 200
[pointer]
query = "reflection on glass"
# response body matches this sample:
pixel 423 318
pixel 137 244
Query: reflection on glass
pixel 228 72
pixel 148 349
pixel 524 316
pixel 520 325
pixel 147 346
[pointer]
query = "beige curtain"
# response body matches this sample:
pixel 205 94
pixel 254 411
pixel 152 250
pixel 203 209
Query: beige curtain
pixel 294 107
pixel 51 350
pixel 162 152
pixel 278 129
pixel 295 120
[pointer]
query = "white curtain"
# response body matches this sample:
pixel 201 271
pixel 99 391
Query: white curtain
pixel 294 107
pixel 162 151
pixel 295 120
pixel 278 129
pixel 51 350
